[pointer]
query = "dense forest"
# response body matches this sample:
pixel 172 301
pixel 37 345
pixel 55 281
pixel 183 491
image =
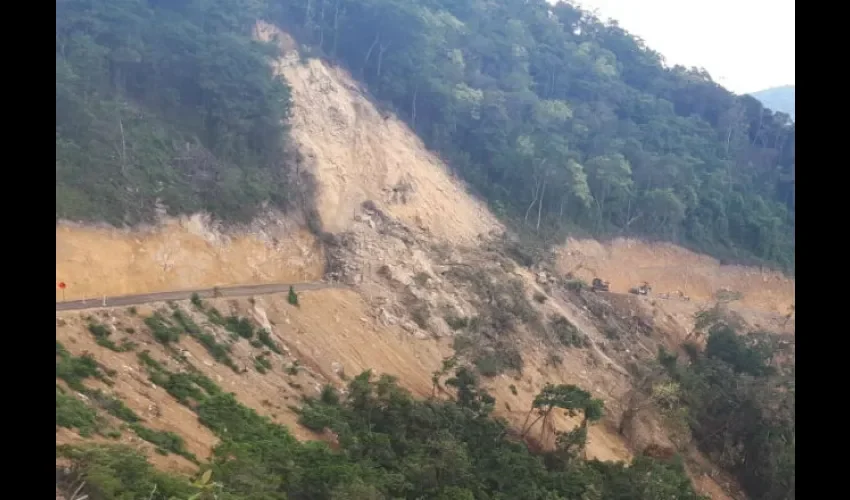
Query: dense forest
pixel 562 122
pixel 388 445
pixel 739 398
pixel 166 104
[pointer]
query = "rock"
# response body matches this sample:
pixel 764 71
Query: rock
pixel 409 326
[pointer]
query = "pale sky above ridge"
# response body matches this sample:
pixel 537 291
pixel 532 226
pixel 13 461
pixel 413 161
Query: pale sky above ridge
pixel 746 45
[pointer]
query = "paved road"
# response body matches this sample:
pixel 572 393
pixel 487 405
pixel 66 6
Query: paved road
pixel 204 293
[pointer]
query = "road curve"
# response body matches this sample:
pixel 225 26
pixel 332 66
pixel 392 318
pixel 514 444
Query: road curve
pixel 204 293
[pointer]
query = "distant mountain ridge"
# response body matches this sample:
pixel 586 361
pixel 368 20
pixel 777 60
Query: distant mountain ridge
pixel 778 98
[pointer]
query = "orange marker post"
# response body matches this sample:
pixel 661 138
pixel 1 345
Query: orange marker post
pixel 62 287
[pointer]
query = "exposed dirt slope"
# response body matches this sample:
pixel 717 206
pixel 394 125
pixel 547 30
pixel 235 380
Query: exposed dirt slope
pixel 179 254
pixel 408 238
pixel 670 269
pixel 358 154
pixel 333 335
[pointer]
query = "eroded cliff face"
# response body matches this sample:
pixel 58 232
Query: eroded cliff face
pixel 186 253
pixel 416 251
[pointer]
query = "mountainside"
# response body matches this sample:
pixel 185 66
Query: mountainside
pixel 450 346
pixel 779 99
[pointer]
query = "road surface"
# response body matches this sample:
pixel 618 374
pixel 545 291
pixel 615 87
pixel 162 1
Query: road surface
pixel 204 293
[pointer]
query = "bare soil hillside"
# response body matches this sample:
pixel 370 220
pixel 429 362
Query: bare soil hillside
pixel 431 274
pixel 179 254
pixel 670 269
pixel 360 154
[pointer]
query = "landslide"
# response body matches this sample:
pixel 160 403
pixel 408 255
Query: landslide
pixel 424 261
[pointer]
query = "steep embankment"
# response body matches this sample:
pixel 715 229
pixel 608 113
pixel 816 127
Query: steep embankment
pixel 420 253
pixel 674 270
pixel 179 254
pixel 359 154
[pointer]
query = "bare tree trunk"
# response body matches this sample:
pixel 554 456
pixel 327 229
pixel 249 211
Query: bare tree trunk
pixel 123 148
pixel 537 182
pixel 413 107
pixel 525 431
pixel 533 200
pixel 728 140
pixel 369 53
pixel 527 416
pixel 540 204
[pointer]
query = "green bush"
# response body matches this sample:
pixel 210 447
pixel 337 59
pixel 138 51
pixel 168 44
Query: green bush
pixel 164 440
pixel 74 369
pixel 292 298
pixel 241 327
pixel 74 414
pixel 162 330
pixel 265 337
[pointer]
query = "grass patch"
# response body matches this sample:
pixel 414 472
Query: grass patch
pixel 215 317
pixel 163 331
pixel 101 335
pixel 189 388
pixel 128 345
pixel 567 333
pixel 113 406
pixel 72 413
pixel 242 327
pixel 265 338
pixel 456 322
pixel 219 352
pixel 262 364
pixel 490 364
pixel 184 321
pixel 74 369
pixel 165 441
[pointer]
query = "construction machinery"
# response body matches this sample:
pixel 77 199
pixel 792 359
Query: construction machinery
pixel 599 286
pixel 643 289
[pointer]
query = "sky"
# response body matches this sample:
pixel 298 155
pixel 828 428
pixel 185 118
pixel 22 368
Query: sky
pixel 745 45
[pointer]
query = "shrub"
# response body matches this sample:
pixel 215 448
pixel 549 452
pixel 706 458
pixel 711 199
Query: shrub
pixel 162 330
pixel 241 327
pixel 265 338
pixel 74 414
